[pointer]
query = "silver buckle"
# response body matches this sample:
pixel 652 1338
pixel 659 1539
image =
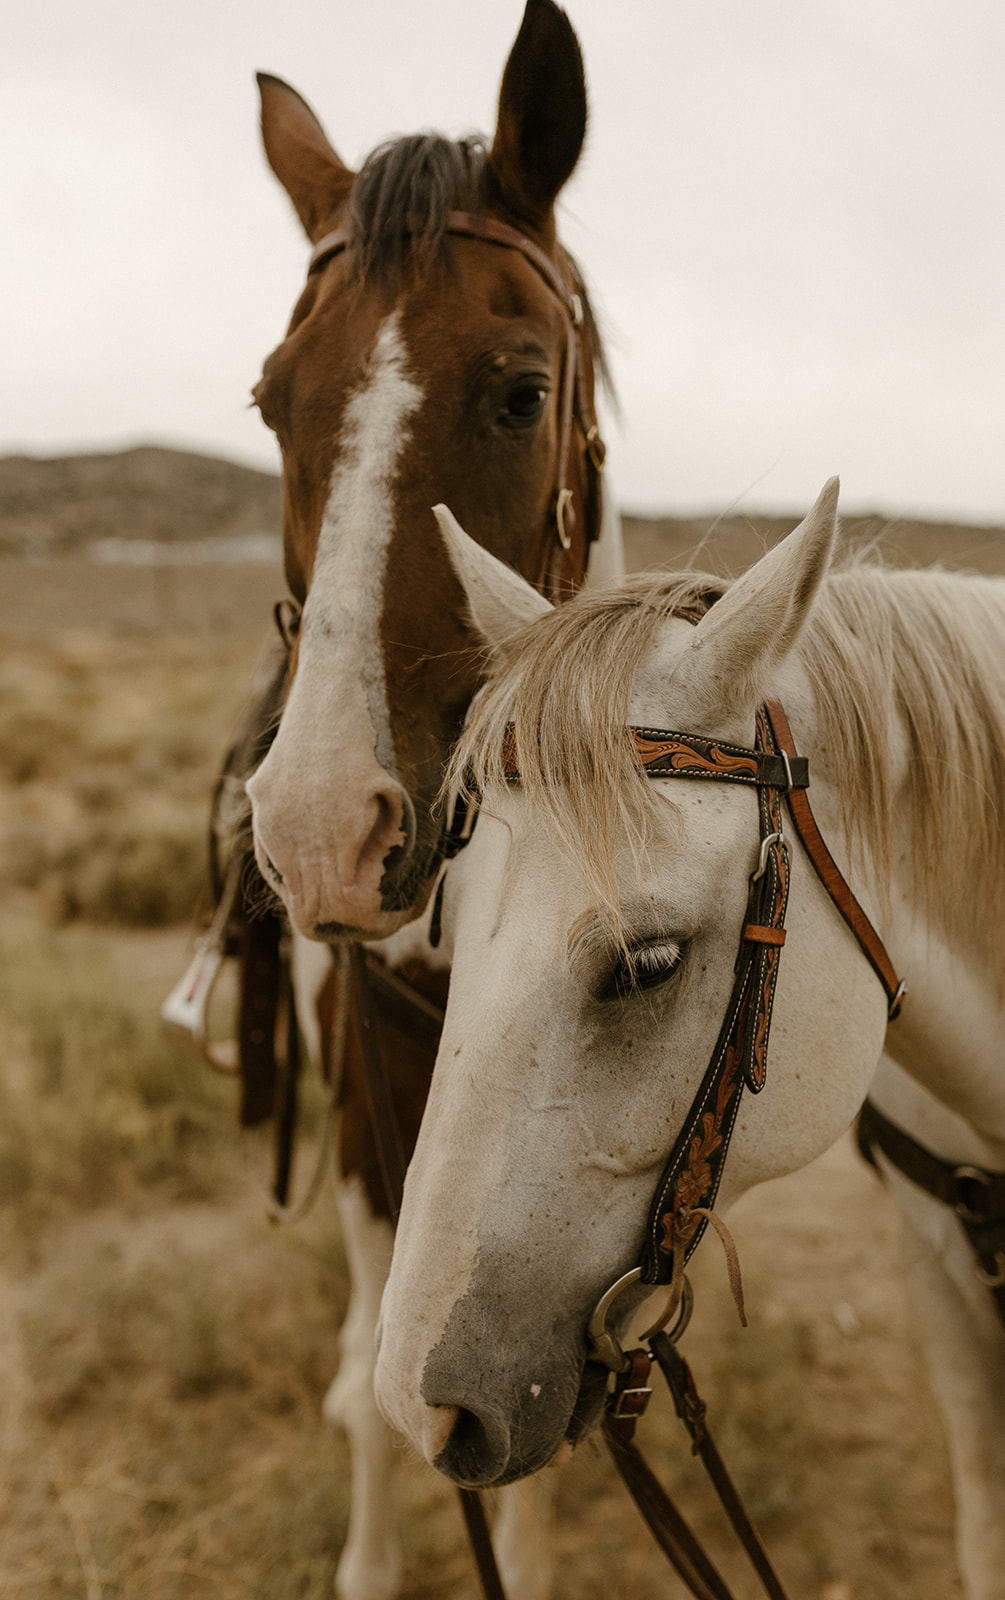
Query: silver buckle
pixel 762 864
pixel 644 1395
pixel 183 1014
pixel 564 502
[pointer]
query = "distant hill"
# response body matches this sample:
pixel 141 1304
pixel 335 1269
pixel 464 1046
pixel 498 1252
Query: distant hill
pixel 55 505
pixel 728 545
pixel 58 505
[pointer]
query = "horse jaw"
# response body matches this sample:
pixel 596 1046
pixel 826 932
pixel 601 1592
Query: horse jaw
pixel 731 657
pixel 499 600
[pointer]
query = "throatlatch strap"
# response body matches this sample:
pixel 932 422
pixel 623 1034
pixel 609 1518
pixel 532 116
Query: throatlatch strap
pixel 975 1194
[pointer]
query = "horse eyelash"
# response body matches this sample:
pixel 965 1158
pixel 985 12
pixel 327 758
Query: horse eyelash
pixel 646 967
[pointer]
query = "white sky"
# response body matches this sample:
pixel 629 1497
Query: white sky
pixel 791 212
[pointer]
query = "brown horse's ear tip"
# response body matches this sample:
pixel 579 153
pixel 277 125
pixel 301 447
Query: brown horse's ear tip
pixel 272 80
pixel 268 82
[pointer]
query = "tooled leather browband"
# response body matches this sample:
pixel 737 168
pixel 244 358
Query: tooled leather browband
pixel 685 755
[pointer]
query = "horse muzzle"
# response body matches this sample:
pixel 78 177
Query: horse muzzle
pixel 485 1425
pixel 343 866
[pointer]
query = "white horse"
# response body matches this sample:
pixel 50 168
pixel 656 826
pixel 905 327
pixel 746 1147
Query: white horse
pixel 595 920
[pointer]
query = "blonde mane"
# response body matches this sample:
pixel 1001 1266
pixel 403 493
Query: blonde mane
pixel 889 655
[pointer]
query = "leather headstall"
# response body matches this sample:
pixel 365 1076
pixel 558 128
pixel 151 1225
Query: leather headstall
pixel 693 1171
pixel 575 403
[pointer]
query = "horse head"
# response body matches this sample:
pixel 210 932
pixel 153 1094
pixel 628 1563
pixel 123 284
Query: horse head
pixel 434 354
pixel 595 919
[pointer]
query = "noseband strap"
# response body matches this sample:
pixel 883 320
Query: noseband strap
pixel 575 403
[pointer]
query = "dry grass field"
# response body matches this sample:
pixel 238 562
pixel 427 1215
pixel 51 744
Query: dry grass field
pixel 164 1349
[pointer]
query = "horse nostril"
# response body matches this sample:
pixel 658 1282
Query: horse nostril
pixel 407 825
pixel 400 859
pixel 437 1425
pixel 477 1450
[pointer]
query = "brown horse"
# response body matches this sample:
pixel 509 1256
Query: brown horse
pixel 443 349
pixel 433 355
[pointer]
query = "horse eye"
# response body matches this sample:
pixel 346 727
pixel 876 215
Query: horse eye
pixel 525 402
pixel 646 967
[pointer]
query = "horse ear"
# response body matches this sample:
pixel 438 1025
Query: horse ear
pixel 542 113
pixel 747 634
pixel 300 156
pixel 499 600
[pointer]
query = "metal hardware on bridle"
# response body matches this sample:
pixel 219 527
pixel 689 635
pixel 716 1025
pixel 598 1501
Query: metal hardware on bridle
pixel 563 511
pixel 762 861
pixel 604 1346
pixel 574 401
pixel 184 1012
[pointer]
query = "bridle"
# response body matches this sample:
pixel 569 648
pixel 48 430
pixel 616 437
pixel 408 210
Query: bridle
pixel 685 1194
pixel 689 1182
pixel 575 408
pixel 575 401
pixel 693 1171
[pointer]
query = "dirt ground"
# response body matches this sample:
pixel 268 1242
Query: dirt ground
pixel 164 1351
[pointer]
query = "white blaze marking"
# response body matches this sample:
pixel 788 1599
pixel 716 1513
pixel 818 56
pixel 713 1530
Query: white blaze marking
pixel 348 580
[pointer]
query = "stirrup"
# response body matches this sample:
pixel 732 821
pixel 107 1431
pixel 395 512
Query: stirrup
pixel 183 1014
